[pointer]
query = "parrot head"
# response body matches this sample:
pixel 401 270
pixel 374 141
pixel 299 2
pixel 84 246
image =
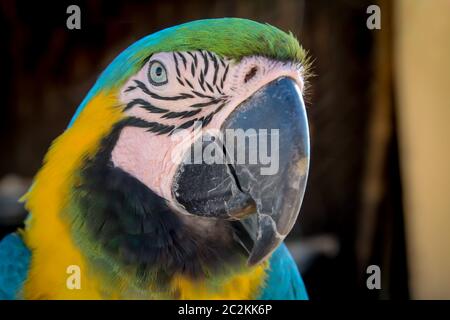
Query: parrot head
pixel 132 180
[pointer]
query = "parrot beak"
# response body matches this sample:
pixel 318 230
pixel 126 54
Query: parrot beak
pixel 262 197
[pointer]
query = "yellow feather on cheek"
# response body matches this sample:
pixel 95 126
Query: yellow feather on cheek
pixel 48 237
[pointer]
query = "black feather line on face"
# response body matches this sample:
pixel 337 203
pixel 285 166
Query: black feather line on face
pixel 194 57
pixel 144 89
pixel 189 84
pixel 159 128
pixel 216 70
pixel 218 90
pixel 181 114
pixel 145 105
pixel 130 88
pixel 208 119
pixel 224 77
pixel 180 81
pixel 201 95
pixel 201 81
pixel 209 87
pixel 144 62
pixel 136 230
pixel 206 104
pixel 206 62
pixel 220 107
pixel 176 65
pixel 210 55
pixel 192 69
pixel 187 124
pixel 222 62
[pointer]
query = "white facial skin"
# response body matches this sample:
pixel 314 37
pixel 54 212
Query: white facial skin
pixel 148 156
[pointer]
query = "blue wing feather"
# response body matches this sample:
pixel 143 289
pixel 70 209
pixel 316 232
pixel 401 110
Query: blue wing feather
pixel 14 262
pixel 283 280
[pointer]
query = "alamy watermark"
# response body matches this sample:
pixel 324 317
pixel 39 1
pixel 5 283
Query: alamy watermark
pixel 373 22
pixel 374 279
pixel 74 19
pixel 231 146
pixel 73 281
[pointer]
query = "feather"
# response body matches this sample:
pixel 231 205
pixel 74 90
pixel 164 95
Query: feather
pixel 14 261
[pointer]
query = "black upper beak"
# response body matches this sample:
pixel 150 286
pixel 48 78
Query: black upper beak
pixel 269 180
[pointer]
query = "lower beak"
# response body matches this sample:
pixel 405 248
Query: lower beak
pixel 265 142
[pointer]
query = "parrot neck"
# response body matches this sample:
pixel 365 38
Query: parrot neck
pixel 121 237
pixel 131 234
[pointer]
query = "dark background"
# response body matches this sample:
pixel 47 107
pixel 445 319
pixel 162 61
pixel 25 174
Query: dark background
pixel 352 213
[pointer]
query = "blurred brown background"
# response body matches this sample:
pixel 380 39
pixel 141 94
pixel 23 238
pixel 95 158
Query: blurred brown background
pixel 378 107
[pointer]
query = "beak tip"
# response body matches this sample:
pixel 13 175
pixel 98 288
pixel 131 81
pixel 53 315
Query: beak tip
pixel 264 247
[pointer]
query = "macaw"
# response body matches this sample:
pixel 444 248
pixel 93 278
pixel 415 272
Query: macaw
pixel 116 204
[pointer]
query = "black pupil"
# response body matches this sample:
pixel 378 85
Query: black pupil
pixel 158 71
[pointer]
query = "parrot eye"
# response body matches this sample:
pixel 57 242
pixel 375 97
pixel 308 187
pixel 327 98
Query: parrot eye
pixel 157 74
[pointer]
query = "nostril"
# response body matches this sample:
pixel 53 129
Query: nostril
pixel 250 74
